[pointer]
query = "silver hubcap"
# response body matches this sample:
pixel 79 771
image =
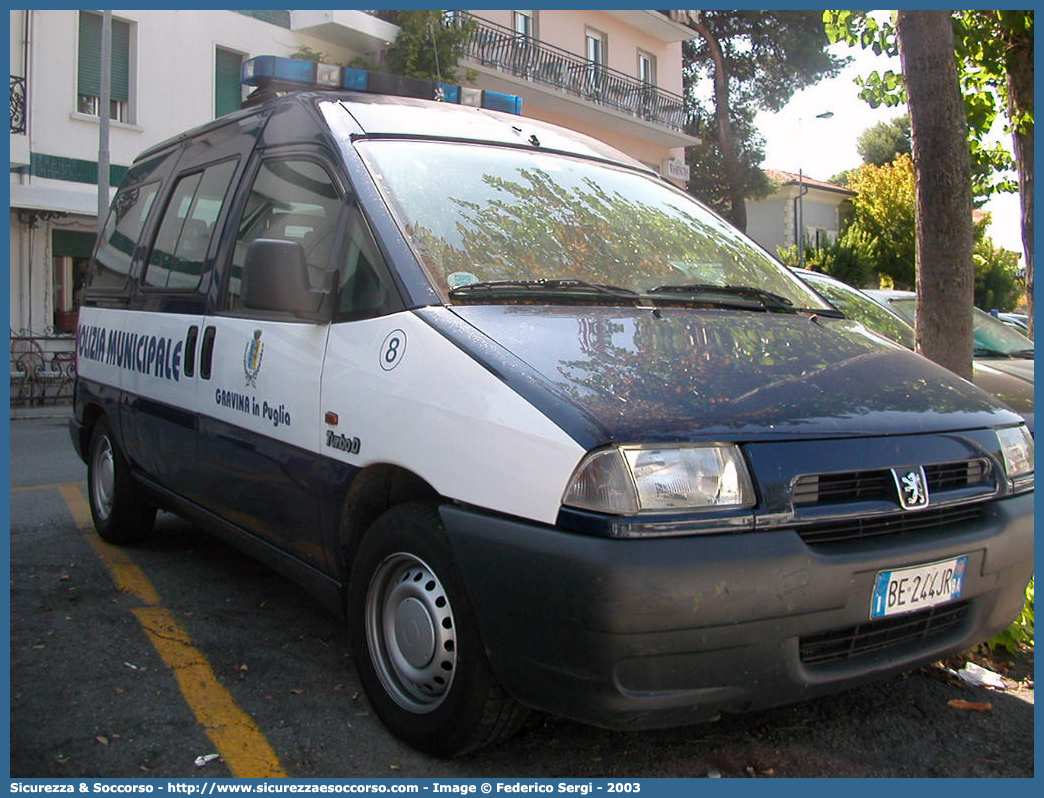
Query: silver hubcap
pixel 411 633
pixel 103 484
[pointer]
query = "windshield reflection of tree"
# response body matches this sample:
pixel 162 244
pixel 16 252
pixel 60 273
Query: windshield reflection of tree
pixel 731 369
pixel 535 227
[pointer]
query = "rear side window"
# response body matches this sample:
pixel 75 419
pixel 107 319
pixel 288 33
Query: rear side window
pixel 185 232
pixel 129 211
pixel 292 199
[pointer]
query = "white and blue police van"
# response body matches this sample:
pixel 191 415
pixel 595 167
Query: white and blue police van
pixel 548 432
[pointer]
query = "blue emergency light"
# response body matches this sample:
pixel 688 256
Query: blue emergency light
pixel 275 72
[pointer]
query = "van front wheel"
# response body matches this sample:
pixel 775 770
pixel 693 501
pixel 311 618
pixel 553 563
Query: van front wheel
pixel 119 512
pixel 415 640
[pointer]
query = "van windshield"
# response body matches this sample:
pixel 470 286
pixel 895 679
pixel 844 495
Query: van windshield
pixel 497 224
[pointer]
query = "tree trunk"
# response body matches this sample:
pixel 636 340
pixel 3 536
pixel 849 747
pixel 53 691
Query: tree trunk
pixel 726 140
pixel 942 176
pixel 1020 102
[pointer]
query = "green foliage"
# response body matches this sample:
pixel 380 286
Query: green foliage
pixel 880 240
pixel 881 143
pixel 981 39
pixel 997 281
pixel 708 181
pixel 884 221
pixel 306 53
pixel 851 258
pixel 429 45
pixel 768 56
pixel 1020 633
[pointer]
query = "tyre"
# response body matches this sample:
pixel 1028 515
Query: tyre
pixel 120 513
pixel 416 643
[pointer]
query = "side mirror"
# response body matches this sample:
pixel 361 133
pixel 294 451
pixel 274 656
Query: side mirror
pixel 275 278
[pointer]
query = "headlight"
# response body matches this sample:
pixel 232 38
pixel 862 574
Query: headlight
pixel 634 479
pixel 1016 446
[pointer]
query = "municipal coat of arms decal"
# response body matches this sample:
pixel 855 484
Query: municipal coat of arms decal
pixel 252 356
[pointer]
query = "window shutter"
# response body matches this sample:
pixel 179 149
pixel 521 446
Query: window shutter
pixel 72 243
pixel 88 79
pixel 228 94
pixel 120 88
pixel 89 63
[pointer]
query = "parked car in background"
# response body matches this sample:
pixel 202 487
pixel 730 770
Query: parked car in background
pixel 1003 347
pixel 1013 387
pixel 1020 321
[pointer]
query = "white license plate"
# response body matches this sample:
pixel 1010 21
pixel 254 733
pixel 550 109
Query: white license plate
pixel 917 588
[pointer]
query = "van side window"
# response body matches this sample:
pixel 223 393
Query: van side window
pixel 181 245
pixel 362 291
pixel 130 208
pixel 295 200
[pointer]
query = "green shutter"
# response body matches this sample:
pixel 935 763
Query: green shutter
pixel 120 88
pixel 89 72
pixel 89 67
pixel 228 94
pixel 72 244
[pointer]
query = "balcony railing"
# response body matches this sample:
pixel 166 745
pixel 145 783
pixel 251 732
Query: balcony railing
pixel 501 48
pixel 17 104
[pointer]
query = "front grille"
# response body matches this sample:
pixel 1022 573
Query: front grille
pixel 954 476
pixel 894 524
pixel 852 486
pixel 866 638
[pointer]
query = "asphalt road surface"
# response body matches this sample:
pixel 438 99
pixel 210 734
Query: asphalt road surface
pixel 136 661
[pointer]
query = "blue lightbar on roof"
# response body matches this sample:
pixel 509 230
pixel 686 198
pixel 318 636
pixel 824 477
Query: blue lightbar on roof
pixel 290 74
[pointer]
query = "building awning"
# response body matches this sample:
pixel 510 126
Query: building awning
pixel 56 196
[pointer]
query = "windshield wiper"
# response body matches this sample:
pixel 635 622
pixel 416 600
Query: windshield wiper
pixel 758 297
pixel 564 286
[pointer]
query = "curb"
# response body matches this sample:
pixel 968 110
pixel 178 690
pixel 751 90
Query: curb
pixel 51 411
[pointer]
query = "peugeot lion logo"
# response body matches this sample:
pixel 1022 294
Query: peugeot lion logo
pixel 913 487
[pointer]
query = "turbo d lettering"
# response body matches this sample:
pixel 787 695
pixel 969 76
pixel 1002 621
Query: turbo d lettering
pixel 342 442
pixel 152 355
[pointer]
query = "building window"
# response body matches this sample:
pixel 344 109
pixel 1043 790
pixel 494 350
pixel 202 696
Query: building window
pixel 228 91
pixel 595 50
pixel 525 24
pixel 646 68
pixel 595 47
pixel 88 74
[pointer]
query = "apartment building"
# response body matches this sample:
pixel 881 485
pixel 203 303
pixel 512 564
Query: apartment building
pixel 616 75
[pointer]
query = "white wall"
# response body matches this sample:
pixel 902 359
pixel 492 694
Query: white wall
pixel 172 76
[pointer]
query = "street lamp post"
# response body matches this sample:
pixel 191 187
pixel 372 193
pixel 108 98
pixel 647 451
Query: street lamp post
pixel 799 232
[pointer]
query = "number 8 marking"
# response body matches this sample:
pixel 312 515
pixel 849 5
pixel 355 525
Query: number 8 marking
pixel 393 349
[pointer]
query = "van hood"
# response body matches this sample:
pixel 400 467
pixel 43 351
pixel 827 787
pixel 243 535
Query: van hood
pixel 638 375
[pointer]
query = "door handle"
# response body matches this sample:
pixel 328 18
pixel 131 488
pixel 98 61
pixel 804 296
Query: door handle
pixel 190 350
pixel 206 354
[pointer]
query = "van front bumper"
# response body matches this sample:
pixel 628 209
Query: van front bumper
pixel 651 633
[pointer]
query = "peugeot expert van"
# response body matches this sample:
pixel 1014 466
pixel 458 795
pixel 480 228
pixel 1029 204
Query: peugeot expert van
pixel 546 430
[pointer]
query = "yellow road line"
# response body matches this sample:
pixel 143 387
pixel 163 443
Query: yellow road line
pixel 233 732
pixel 52 486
